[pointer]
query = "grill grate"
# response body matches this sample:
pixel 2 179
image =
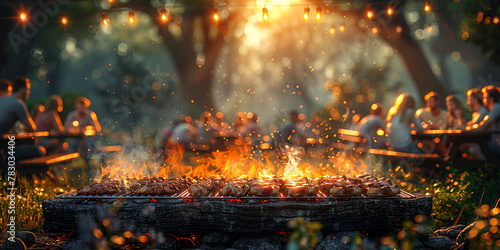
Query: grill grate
pixel 185 197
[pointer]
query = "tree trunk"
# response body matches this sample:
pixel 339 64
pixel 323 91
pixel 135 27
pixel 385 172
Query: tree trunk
pixel 412 55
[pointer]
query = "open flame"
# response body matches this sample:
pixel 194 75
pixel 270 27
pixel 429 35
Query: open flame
pixel 238 161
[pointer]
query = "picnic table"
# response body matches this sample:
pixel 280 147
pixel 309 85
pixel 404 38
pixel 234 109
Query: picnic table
pixel 457 137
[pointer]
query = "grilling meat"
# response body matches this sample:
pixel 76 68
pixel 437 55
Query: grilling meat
pixel 299 187
pixel 159 186
pixel 102 188
pixel 265 187
pixel 236 187
pixel 241 186
pixel 206 187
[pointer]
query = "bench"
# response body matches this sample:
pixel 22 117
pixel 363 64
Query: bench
pixel 42 164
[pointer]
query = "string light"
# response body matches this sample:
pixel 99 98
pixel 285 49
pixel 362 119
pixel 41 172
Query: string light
pixel 496 20
pixel 64 19
pixel 369 14
pixel 216 16
pixel 131 18
pixel 429 28
pixel 163 15
pixel 318 13
pixel 265 15
pixel 104 19
pixel 306 13
pixel 390 11
pixel 22 14
pixel 332 30
pixel 427 6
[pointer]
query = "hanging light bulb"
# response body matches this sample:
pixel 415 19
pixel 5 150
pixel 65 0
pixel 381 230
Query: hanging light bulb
pixel 496 20
pixel 306 13
pixel 265 15
pixel 332 30
pixel 390 11
pixel 64 19
pixel 427 6
pixel 163 15
pixel 318 13
pixel 104 19
pixel 429 28
pixel 216 16
pixel 131 17
pixel 22 14
pixel 369 13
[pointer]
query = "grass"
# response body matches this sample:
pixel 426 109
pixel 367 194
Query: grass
pixel 29 196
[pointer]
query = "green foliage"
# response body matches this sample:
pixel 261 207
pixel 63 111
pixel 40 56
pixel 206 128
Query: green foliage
pixel 485 233
pixel 29 196
pixel 305 234
pixel 455 196
pixel 479 28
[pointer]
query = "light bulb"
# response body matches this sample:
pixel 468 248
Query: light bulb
pixel 163 15
pixel 306 13
pixel 265 15
pixel 318 13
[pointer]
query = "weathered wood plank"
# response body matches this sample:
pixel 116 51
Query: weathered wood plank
pixel 224 216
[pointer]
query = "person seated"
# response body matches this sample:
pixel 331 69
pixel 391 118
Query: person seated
pixel 475 103
pixel 289 132
pixel 491 121
pixel 48 118
pixel 253 132
pixel 400 122
pixel 5 88
pixel 456 115
pixel 82 118
pixel 432 116
pixel 206 130
pixel 184 133
pixel 14 110
pixel 82 121
pixel 370 124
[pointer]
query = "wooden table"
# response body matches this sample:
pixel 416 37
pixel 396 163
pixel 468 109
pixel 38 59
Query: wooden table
pixel 457 137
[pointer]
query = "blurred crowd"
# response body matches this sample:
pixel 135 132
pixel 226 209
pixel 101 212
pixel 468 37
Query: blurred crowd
pixel 380 129
pixel 16 119
pixel 403 118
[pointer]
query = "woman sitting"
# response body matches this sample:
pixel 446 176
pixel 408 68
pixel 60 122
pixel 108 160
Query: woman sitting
pixel 401 120
pixel 48 119
pixel 456 116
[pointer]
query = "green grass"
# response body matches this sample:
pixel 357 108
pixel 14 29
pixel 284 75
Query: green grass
pixel 29 196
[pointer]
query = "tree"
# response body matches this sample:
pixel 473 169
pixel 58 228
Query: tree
pixel 481 27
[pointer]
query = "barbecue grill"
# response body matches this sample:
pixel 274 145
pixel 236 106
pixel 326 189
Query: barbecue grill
pixel 182 213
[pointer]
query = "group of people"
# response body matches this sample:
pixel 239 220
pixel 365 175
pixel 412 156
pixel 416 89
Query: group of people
pixel 245 127
pixel 402 118
pixel 204 131
pixel 15 118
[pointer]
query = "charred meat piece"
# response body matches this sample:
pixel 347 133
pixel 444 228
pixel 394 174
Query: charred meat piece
pixel 236 187
pixel 299 187
pixel 156 186
pixel 346 190
pixel 265 187
pixel 102 188
pixel 388 190
pixel 206 187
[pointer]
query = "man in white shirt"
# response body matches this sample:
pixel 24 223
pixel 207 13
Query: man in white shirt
pixel 432 116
